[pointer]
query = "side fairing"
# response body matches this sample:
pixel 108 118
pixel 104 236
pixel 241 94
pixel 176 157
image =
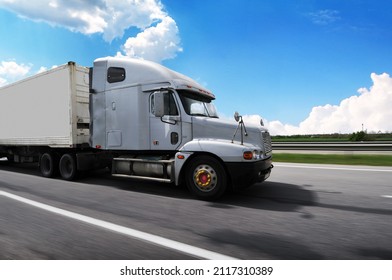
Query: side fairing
pixel 119 113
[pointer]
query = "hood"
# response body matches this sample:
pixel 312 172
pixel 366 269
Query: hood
pixel 213 128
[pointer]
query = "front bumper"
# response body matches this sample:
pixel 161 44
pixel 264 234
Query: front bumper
pixel 245 174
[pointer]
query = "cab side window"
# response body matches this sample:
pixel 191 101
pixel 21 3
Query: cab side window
pixel 170 105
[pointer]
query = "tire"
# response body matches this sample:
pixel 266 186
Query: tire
pixel 10 159
pixel 68 168
pixel 48 165
pixel 206 178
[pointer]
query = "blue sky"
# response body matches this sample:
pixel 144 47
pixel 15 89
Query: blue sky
pixel 295 63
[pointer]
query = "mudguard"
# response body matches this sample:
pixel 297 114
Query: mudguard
pixel 225 150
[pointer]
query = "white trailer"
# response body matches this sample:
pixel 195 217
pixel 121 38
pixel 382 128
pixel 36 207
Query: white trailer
pixel 48 109
pixel 45 118
pixel 138 118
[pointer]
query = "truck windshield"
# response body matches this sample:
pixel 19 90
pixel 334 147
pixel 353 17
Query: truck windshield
pixel 197 105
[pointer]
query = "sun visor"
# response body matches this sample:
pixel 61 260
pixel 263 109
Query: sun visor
pixel 194 87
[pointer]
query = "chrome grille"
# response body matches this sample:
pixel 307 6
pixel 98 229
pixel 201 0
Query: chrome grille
pixel 267 142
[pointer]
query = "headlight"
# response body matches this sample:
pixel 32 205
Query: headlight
pixel 256 154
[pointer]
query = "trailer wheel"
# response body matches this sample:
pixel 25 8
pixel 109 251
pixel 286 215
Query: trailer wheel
pixel 206 178
pixel 48 165
pixel 67 166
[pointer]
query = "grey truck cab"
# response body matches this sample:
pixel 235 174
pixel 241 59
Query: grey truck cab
pixel 161 125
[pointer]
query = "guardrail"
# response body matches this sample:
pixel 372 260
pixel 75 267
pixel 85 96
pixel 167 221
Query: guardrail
pixel 366 147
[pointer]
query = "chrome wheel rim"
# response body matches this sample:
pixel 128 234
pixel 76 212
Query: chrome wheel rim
pixel 205 178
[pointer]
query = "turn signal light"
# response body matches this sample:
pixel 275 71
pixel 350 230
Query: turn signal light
pixel 248 155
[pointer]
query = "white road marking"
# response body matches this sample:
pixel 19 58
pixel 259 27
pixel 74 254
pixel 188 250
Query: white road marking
pixel 331 168
pixel 161 241
pixel 387 196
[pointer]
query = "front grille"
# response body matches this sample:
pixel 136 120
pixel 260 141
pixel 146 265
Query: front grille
pixel 267 142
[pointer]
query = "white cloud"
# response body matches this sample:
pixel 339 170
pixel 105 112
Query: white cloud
pixel 86 17
pixel 155 43
pixel 324 17
pixel 131 13
pixel 274 127
pixel 11 71
pixel 3 82
pixel 42 69
pixel 158 31
pixel 370 108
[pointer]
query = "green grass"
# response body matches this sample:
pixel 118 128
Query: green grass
pixel 330 137
pixel 374 160
pixel 308 139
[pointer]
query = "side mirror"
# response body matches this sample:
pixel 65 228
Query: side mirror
pixel 237 116
pixel 159 103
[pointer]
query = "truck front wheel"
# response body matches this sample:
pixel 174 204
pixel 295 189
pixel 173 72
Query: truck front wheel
pixel 68 168
pixel 206 178
pixel 48 165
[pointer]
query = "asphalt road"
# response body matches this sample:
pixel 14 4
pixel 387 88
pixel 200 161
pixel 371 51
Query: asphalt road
pixel 301 212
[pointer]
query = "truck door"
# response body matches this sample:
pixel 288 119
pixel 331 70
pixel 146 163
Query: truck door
pixel 165 131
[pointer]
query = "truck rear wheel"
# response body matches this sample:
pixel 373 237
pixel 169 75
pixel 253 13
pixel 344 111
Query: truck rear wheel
pixel 48 165
pixel 68 168
pixel 206 178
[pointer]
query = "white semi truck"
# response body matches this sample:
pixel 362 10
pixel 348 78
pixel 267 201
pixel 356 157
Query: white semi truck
pixel 136 117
